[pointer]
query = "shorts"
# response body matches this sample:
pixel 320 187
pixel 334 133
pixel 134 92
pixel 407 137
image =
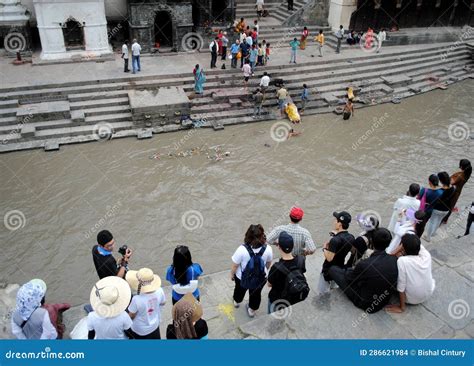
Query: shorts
pixel 246 78
pixel 281 103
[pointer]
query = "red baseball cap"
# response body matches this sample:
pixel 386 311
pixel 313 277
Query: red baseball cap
pixel 296 213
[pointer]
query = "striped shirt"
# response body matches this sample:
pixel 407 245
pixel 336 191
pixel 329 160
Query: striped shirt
pixel 301 237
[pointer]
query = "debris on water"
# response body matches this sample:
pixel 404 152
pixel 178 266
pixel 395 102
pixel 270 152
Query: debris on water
pixel 214 153
pixel 267 145
pixel 156 156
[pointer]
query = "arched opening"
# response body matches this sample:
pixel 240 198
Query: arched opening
pixel 163 29
pixel 219 8
pixel 73 33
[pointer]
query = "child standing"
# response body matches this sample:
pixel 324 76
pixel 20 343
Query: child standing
pixel 267 53
pixel 304 98
pixel 261 54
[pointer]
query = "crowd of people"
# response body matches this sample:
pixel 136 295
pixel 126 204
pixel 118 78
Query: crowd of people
pixel 370 269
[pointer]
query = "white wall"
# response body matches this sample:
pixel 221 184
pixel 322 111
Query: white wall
pixel 340 12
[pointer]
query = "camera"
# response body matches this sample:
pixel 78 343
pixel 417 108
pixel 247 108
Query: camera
pixel 123 250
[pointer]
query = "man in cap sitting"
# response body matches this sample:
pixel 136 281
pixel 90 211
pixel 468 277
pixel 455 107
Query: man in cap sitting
pixel 303 242
pixel 336 250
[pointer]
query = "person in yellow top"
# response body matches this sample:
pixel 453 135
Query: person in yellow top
pixel 240 26
pixel 320 39
pixel 350 93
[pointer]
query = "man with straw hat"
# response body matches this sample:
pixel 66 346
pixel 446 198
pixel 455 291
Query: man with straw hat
pixel 145 308
pixel 187 320
pixel 109 299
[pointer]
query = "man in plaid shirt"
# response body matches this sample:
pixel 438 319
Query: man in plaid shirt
pixel 303 242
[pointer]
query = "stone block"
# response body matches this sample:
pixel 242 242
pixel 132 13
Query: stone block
pixel 158 106
pixel 45 111
pixel 51 146
pixel 78 116
pixel 235 102
pixel 415 89
pixel 397 80
pixel 27 131
pixel 145 134
pixel 216 125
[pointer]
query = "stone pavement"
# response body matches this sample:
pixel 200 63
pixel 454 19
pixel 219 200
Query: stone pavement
pixel 449 313
pixel 166 64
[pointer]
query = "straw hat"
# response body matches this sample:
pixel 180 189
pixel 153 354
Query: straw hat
pixel 110 296
pixel 149 281
pixel 192 304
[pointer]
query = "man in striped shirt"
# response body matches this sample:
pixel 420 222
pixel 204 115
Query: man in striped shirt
pixel 303 242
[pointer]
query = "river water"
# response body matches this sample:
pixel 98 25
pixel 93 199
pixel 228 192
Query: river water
pixel 152 205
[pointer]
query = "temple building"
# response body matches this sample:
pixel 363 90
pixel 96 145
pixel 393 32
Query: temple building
pixel 68 29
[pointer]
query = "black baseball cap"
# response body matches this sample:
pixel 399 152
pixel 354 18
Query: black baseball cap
pixel 285 242
pixel 343 217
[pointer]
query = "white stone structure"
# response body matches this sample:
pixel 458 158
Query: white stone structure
pixel 340 12
pixel 72 28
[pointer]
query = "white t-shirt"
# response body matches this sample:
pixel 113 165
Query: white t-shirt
pixel 414 276
pixel 148 310
pixel 109 328
pixel 242 257
pixel 136 48
pixel 249 41
pixel 125 51
pixel 401 204
pixel 247 70
pixel 265 81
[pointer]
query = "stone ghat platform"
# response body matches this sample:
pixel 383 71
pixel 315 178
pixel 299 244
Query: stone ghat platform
pixel 93 109
pixel 447 314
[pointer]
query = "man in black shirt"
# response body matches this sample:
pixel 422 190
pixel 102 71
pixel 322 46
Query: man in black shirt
pixel 277 277
pixel 104 261
pixel 336 250
pixel 371 283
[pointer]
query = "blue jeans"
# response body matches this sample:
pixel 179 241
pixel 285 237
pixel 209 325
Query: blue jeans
pixel 252 65
pixel 293 56
pixel 136 64
pixel 434 222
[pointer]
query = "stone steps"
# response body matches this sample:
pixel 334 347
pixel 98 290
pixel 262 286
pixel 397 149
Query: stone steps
pixel 99 111
pixel 8 104
pixel 83 104
pixel 81 130
pixel 117 117
pixel 73 98
pixel 8 112
pixel 7 120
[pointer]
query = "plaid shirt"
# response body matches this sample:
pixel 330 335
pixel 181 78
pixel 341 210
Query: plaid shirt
pixel 301 237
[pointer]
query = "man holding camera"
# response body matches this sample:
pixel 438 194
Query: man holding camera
pixel 105 263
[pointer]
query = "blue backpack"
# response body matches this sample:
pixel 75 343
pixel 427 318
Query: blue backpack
pixel 254 276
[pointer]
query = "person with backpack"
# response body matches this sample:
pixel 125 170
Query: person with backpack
pixel 250 264
pixel 286 277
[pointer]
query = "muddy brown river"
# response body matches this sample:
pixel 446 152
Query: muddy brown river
pixel 53 204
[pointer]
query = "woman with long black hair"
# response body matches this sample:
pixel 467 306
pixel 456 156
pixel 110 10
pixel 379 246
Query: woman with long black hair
pixel 183 274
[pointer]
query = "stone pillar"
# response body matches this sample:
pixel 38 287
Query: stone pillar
pixel 340 12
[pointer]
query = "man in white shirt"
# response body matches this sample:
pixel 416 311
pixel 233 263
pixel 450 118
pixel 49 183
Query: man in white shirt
pixel 404 203
pixel 125 56
pixel 381 37
pixel 415 281
pixel 214 48
pixel 339 36
pixel 249 41
pixel 136 49
pixel 264 83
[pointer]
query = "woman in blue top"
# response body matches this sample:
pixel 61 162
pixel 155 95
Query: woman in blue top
pixel 183 274
pixel 432 194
